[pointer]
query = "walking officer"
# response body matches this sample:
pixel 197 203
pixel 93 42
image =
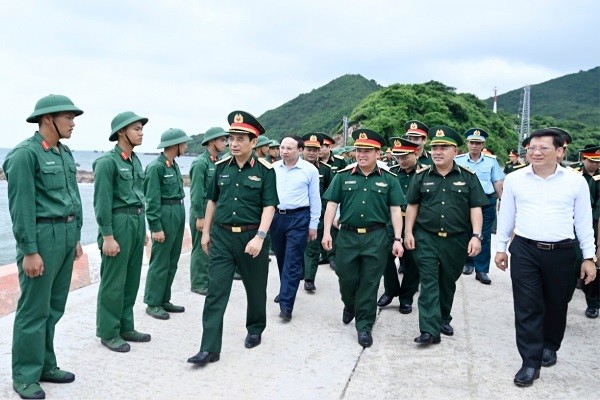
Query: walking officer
pixel 163 188
pixel 368 197
pixel 202 172
pixel 240 208
pixel 45 209
pixel 119 207
pixel 416 132
pixel 444 206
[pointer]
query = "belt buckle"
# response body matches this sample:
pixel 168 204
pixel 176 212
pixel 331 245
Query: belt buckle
pixel 361 230
pixel 70 218
pixel 544 246
pixel 442 234
pixel 236 229
pixel 279 211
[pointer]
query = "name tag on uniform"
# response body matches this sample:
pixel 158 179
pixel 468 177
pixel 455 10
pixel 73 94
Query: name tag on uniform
pixel 255 178
pixel 459 183
pixel 428 183
pixel 382 184
pixel 50 162
pixel 123 169
pixel 223 176
pixel 168 176
pixel 349 182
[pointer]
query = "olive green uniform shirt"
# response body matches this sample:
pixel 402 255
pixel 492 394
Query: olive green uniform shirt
pixel 404 178
pixel 118 182
pixel 42 183
pixel 511 167
pixel 337 163
pixel 202 173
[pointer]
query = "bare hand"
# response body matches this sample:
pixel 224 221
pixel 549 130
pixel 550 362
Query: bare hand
pixel 336 223
pixel 254 246
pixel 474 247
pixel 588 271
pixel 158 236
pixel 501 260
pixel 78 251
pixel 110 247
pixel 312 234
pixel 409 241
pixel 205 242
pixel 397 249
pixel 199 224
pixel 327 242
pixel 33 265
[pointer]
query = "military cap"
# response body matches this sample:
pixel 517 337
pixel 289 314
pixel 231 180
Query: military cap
pixel 328 140
pixel 366 138
pixel 274 143
pixel 314 139
pixel 173 136
pixel 591 152
pixel 476 135
pixel 441 135
pixel 243 122
pixel 401 146
pixel 262 141
pixel 213 133
pixel 53 103
pixel 513 152
pixel 416 128
pixel 122 120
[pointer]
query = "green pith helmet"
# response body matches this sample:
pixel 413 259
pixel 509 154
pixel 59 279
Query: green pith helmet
pixel 213 133
pixel 171 137
pixel 51 104
pixel 121 121
pixel 274 144
pixel 262 141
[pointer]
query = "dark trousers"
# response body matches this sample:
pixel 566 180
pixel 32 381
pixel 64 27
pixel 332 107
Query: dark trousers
pixel 312 254
pixel 289 236
pixel 481 261
pixel 542 285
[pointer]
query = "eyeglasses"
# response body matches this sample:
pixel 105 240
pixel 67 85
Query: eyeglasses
pixel 542 149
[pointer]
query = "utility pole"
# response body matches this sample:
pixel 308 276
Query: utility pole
pixel 345 132
pixel 495 109
pixel 525 128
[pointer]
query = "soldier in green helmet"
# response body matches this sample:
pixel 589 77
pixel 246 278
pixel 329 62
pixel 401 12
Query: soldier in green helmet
pixel 119 206
pixel 261 149
pixel 165 212
pixel 202 172
pixel 45 209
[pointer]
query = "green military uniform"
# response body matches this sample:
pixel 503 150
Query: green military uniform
pixel 513 166
pixel 362 242
pixel 119 208
pixel 202 172
pixel 313 248
pixel 240 195
pixel 415 129
pixel 45 209
pixel 441 232
pixel 163 188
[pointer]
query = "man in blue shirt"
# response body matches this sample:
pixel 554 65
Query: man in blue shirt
pixel 296 218
pixel 491 177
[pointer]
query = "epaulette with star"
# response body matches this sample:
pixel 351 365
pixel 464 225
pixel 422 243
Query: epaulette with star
pixel 467 169
pixel 596 177
pixel 425 168
pixel 265 163
pixel 519 166
pixel 324 163
pixel 489 155
pixel 461 155
pixel 389 172
pixel 221 161
pixel 338 156
pixel 347 168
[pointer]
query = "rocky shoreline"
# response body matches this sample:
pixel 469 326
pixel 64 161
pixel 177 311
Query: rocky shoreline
pixel 88 177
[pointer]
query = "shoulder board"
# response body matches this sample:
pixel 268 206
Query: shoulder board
pixel 576 170
pixel 221 161
pixel 461 155
pixel 490 155
pixel 425 168
pixel 389 172
pixel 394 166
pixel 324 163
pixel 467 169
pixel 265 163
pixel 519 166
pixel 338 156
pixel 596 177
pixel 507 162
pixel 347 168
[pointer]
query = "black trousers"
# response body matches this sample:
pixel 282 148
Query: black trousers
pixel 542 284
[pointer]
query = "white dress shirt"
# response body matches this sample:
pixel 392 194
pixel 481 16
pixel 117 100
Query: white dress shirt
pixel 299 187
pixel 546 209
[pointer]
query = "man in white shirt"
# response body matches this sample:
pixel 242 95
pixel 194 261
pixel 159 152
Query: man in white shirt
pixel 541 203
pixel 296 218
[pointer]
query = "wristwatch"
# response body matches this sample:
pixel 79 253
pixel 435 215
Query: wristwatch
pixel 478 236
pixel 261 234
pixel 593 259
pixel 399 240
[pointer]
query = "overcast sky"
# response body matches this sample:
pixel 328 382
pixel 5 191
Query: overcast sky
pixel 186 64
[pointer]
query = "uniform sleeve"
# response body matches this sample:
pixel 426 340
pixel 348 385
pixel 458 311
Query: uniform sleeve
pixel 20 173
pixel 75 188
pixel 477 197
pixel 213 187
pixel 152 192
pixel 333 192
pixel 104 180
pixel 497 174
pixel 397 197
pixel 269 195
pixel 198 188
pixel 413 195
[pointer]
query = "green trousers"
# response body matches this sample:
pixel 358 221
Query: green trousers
pixel 594 303
pixel 360 261
pixel 225 252
pixel 312 254
pixel 410 278
pixel 440 261
pixel 42 302
pixel 120 276
pixel 165 256
pixel 198 260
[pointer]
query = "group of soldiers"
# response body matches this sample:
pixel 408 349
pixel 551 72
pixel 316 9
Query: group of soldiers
pixel 423 208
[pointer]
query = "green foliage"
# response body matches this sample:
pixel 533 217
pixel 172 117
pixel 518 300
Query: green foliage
pixel 195 146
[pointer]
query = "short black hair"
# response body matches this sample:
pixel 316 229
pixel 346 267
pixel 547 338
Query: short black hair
pixel 558 135
pixel 298 140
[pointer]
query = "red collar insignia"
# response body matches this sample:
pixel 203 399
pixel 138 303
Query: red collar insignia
pixel 45 145
pixel 124 156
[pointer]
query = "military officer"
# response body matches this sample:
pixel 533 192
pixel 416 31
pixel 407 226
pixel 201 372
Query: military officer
pixel 444 206
pixel 389 157
pixel 241 205
pixel 119 208
pixel 262 147
pixel 165 212
pixel 513 162
pixel 406 153
pixel 273 152
pixel 368 197
pixel 416 132
pixel 202 172
pixel 312 145
pixel 45 209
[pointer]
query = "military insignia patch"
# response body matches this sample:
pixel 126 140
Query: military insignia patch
pixel 459 183
pixel 382 184
pixel 238 118
pixel 440 133
pixel 254 178
pixel 413 126
pixel 363 136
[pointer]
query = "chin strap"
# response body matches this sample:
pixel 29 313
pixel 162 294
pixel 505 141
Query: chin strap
pixel 57 131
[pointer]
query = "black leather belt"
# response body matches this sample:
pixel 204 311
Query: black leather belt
pixel 362 230
pixel 57 220
pixel 238 229
pixel 563 244
pixel 170 202
pixel 295 210
pixel 128 210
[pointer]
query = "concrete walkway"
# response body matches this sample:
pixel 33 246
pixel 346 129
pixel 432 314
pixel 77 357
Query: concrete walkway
pixel 315 356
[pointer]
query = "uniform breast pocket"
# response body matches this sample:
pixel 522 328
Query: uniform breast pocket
pixel 125 176
pixel 382 190
pixel 224 181
pixel 53 177
pixel 349 187
pixel 169 180
pixel 428 191
pixel 255 185
pixel 462 191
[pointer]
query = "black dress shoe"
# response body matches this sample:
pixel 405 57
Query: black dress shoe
pixel 384 300
pixel 591 312
pixel 204 357
pixel 468 269
pixel 323 260
pixel 309 286
pixel 347 316
pixel 548 358
pixel 285 315
pixel 365 339
pixel 427 338
pixel 276 299
pixel 483 278
pixel 252 340
pixel 526 376
pixel 446 329
pixel 405 308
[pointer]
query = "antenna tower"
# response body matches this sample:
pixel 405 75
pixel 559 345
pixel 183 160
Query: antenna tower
pixel 525 128
pixel 495 109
